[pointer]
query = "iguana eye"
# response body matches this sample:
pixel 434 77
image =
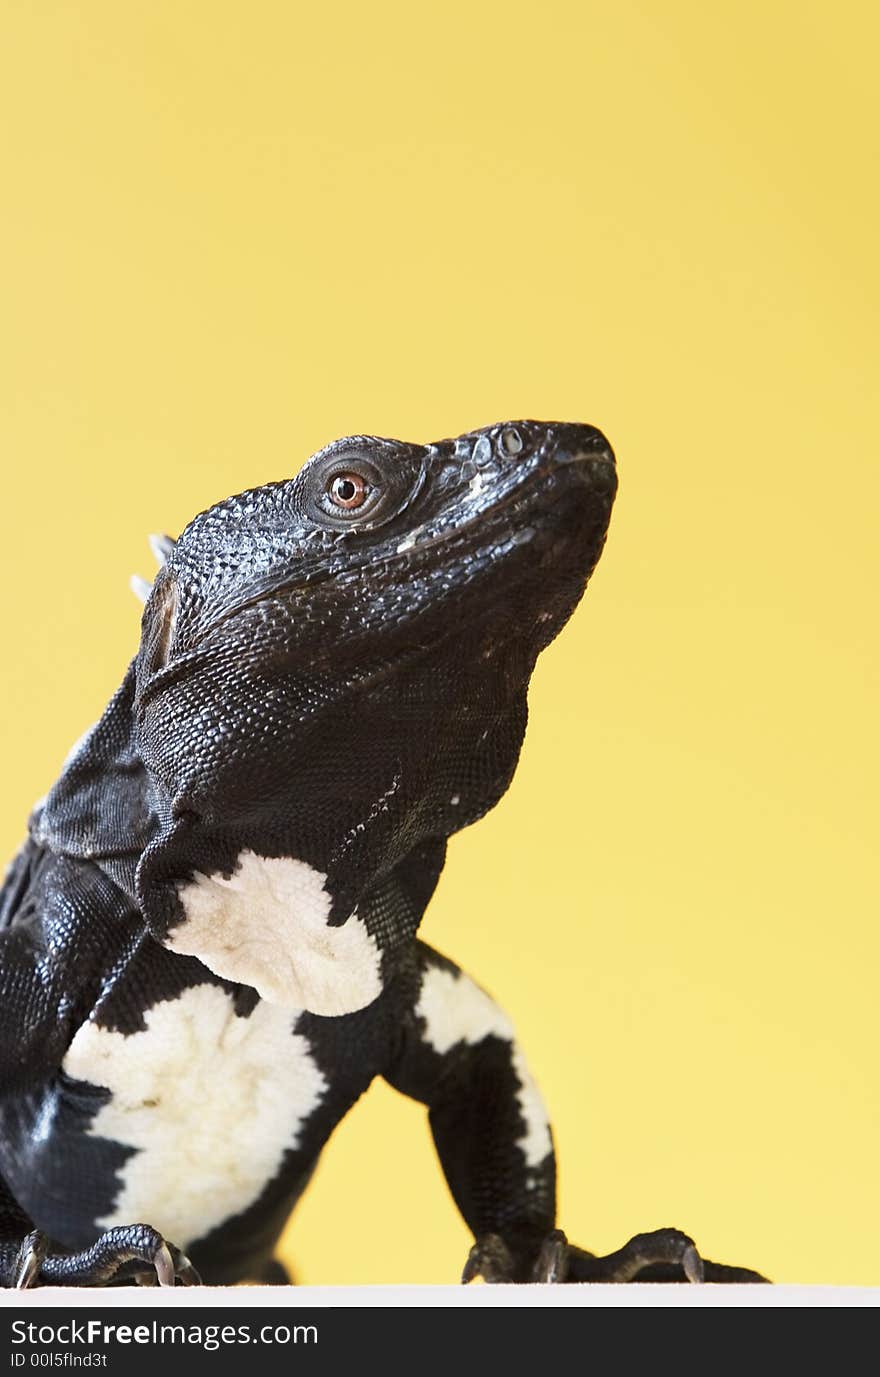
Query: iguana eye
pixel 347 490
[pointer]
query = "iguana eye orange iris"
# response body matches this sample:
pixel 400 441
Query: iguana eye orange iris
pixel 348 490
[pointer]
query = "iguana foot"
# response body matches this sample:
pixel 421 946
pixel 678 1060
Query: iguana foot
pixel 664 1255
pixel 134 1253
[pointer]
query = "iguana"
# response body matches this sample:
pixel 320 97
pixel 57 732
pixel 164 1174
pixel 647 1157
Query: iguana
pixel 208 942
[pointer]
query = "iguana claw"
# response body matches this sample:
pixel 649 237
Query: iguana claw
pixel 491 1259
pixel 692 1264
pixel 552 1263
pixel 26 1267
pixel 164 1265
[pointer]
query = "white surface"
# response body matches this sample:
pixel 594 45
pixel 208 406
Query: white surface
pixel 304 1297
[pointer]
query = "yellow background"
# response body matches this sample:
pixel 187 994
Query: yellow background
pixel 231 232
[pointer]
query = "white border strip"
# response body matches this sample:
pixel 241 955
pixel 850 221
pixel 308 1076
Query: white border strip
pixel 638 1295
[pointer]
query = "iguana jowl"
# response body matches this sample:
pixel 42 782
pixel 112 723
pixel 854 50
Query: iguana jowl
pixel 208 943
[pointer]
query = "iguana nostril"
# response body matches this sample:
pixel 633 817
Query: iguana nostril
pixel 511 440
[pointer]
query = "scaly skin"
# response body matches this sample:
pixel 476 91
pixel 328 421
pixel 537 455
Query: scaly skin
pixel 208 943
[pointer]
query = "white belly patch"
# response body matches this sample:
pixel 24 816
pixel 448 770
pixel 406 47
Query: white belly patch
pixel 266 926
pixel 210 1101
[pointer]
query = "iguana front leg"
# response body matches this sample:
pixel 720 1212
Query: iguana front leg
pixel 491 1131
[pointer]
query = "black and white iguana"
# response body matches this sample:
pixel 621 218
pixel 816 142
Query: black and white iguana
pixel 208 943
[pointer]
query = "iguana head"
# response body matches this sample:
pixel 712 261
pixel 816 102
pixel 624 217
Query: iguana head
pixel 332 677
